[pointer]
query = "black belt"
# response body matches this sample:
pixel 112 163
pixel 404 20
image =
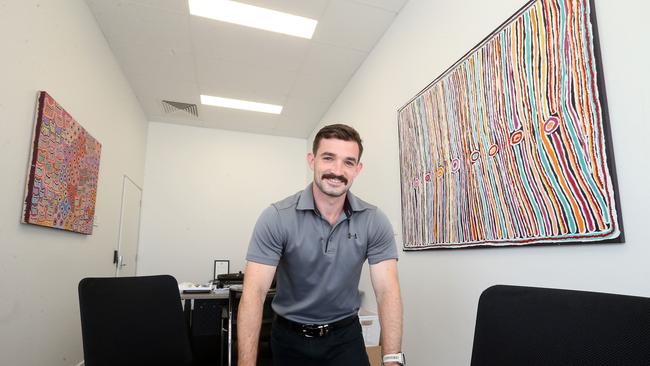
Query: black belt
pixel 317 330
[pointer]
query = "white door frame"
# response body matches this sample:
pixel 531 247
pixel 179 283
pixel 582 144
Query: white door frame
pixel 118 263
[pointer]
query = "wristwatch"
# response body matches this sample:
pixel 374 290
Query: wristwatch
pixel 395 357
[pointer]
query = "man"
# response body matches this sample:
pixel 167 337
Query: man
pixel 318 240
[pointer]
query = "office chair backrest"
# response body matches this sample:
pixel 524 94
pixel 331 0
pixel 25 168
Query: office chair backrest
pixel 537 326
pixel 133 321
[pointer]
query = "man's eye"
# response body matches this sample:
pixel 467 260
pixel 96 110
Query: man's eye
pixel 327 158
pixel 349 163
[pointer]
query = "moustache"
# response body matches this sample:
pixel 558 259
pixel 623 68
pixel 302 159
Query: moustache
pixel 334 176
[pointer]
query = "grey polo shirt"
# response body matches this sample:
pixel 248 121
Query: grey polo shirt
pixel 319 265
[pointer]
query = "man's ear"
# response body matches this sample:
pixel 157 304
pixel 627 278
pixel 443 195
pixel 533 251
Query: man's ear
pixel 359 167
pixel 310 160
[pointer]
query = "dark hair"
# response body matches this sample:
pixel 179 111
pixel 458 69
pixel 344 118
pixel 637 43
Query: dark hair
pixel 338 131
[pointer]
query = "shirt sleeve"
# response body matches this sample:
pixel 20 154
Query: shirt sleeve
pixel 381 239
pixel 267 241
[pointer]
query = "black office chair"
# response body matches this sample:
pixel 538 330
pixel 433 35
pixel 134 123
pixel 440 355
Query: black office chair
pixel 538 326
pixel 229 329
pixel 133 321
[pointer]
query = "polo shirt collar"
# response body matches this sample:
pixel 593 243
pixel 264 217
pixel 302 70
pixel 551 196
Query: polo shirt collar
pixel 352 203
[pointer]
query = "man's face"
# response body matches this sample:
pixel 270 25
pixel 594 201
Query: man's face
pixel 335 166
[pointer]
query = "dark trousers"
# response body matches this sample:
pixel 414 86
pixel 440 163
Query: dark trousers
pixel 341 347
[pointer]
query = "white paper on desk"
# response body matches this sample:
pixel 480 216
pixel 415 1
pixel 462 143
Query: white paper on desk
pixel 193 287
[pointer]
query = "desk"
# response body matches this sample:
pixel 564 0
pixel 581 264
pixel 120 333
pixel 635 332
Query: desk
pixel 211 320
pixel 229 326
pixel 203 317
pixel 218 294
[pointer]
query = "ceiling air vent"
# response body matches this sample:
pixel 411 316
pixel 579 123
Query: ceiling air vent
pixel 171 107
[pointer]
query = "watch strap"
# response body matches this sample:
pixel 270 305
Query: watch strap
pixel 394 357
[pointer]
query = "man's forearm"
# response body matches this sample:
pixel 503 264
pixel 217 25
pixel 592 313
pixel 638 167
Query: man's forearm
pixel 385 282
pixel 390 318
pixel 249 321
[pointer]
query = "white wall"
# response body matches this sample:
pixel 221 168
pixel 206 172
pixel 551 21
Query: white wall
pixel 441 288
pixel 56 46
pixel 204 190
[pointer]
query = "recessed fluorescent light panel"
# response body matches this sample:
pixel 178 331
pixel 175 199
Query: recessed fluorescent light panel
pixel 254 16
pixel 241 104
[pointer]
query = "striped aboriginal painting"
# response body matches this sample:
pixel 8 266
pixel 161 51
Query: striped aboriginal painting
pixel 509 145
pixel 62 177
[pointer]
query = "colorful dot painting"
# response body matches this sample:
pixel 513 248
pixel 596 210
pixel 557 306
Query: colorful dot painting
pixel 62 177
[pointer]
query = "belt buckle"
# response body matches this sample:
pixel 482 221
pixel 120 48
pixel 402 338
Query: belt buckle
pixel 312 330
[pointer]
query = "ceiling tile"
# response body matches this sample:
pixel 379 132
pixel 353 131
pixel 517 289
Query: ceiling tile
pixel 228 78
pixel 309 9
pixel 178 6
pixel 319 87
pixel 156 64
pixel 232 119
pixel 305 108
pixel 325 58
pixel 353 25
pixel 390 5
pixel 301 117
pixel 131 24
pixel 242 44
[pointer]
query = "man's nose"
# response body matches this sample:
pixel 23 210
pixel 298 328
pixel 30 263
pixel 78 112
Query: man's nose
pixel 337 167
